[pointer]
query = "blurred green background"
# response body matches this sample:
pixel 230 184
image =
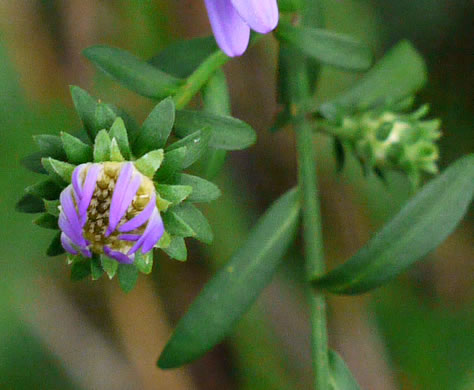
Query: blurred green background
pixel 416 333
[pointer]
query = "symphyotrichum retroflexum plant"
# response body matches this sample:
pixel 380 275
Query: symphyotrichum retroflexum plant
pixel 117 193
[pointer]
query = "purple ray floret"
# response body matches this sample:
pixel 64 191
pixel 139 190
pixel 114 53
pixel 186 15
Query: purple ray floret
pixel 94 220
pixel 231 21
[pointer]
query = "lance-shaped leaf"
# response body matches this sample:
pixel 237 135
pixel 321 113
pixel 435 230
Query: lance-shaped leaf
pixel 96 268
pixel 193 217
pixel 196 144
pixel 156 129
pixel 119 133
pixel 423 224
pixel 47 221
pixel 202 190
pixel 115 154
pixel 340 376
pixel 127 275
pixel 109 265
pixel 102 146
pixel 173 162
pixel 32 162
pixel 181 58
pixel 327 47
pixel 235 287
pixel 60 172
pixel 175 194
pixel 400 73
pixel 150 162
pixel 50 146
pixel 80 269
pixel 85 106
pixel 105 116
pixel 52 207
pixel 144 262
pixel 176 226
pixel 177 249
pixel 55 248
pixel 47 189
pixel 77 151
pixel 227 133
pixel 30 204
pixel 132 72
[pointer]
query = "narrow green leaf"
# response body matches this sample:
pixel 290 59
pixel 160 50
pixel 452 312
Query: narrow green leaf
pixel 327 47
pixel 172 163
pixel 202 190
pixel 119 132
pixel 227 133
pixel 52 207
pixel 80 270
pixel 156 129
pixel 400 73
pixel 47 221
pixel 104 116
pixel 102 146
pixel 181 58
pixel 174 193
pixel 193 217
pixel 150 162
pixel 55 248
pixel 425 221
pixel 96 268
pixel 175 225
pixel 340 376
pixel 32 162
pixel 77 151
pixel 31 204
pixel 196 144
pixel 144 262
pixel 132 72
pixel 115 154
pixel 50 146
pixel 47 189
pixel 109 265
pixel 235 287
pixel 85 106
pixel 177 249
pixel 59 171
pixel 127 275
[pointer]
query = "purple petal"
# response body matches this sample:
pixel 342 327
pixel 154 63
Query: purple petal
pixel 118 210
pixel 141 218
pixel 231 32
pixel 260 15
pixel 129 237
pixel 74 234
pixel 89 187
pixel 67 244
pixel 119 256
pixel 69 209
pixel 119 192
pixel 153 232
pixel 76 179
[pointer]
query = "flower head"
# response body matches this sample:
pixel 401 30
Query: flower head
pixel 109 208
pixel 231 21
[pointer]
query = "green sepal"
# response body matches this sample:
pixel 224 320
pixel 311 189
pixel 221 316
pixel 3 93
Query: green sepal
pixel 175 194
pixel 32 162
pixel 132 72
pixel 177 249
pixel 96 268
pixel 55 248
pixel 127 275
pixel 30 204
pixel 144 262
pixel 196 220
pixel 77 151
pixel 59 171
pixel 202 190
pixel 172 163
pixel 50 146
pixel 150 162
pixel 340 377
pixel 115 154
pixel 104 116
pixel 52 207
pixel 119 132
pixel 85 106
pixel 109 265
pixel 175 225
pixel 80 269
pixel 196 145
pixel 47 221
pixel 164 241
pixel 102 146
pixel 156 129
pixel 47 189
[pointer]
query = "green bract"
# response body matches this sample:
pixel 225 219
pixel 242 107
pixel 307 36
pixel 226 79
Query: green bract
pixel 109 135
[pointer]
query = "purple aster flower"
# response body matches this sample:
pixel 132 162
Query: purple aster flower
pixel 109 208
pixel 231 21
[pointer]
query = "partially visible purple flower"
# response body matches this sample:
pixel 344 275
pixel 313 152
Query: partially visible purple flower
pixel 109 208
pixel 231 21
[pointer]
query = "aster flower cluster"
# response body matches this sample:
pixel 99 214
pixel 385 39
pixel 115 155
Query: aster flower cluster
pixel 118 193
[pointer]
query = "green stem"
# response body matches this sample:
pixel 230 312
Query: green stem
pixel 200 77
